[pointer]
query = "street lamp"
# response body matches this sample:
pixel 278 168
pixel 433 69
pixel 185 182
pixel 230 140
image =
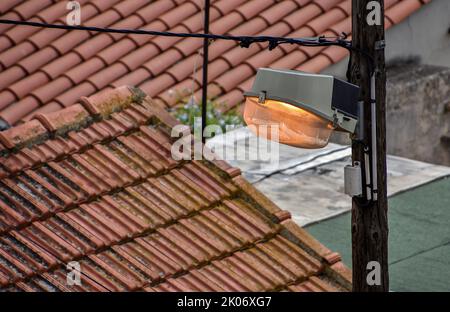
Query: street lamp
pixel 305 107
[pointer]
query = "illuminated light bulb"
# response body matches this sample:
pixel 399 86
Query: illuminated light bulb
pixel 296 127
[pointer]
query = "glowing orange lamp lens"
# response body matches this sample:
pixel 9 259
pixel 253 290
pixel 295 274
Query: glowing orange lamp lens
pixel 296 127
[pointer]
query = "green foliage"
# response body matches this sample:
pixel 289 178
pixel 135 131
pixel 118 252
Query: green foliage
pixel 187 112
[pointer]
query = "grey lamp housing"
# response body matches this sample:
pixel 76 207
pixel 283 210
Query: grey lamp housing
pixel 326 96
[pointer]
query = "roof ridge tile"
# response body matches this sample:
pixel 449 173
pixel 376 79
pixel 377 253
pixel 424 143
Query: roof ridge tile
pixel 71 117
pixel 76 117
pixel 23 135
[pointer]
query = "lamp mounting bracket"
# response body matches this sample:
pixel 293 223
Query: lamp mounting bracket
pixel 262 97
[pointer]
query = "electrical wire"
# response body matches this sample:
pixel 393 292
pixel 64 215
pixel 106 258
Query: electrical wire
pixel 244 41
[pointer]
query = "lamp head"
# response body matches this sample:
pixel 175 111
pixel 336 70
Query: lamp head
pixel 306 108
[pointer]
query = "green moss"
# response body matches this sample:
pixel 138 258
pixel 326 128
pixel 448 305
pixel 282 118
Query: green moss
pixel 138 95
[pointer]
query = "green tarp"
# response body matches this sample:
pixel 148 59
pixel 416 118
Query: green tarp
pixel 419 238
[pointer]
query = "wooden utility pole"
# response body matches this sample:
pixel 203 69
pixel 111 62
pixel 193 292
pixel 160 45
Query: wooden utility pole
pixel 369 217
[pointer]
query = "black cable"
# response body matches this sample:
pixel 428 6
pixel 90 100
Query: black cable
pixel 244 41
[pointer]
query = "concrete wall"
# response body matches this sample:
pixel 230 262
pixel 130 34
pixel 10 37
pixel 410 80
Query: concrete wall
pixel 423 36
pixel 418 113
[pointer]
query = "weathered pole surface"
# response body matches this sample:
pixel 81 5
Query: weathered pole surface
pixel 369 221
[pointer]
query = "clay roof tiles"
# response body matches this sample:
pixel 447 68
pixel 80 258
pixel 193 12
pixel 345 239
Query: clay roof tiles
pixel 95 183
pixel 43 70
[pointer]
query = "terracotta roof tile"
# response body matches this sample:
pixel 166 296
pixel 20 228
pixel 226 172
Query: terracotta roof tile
pixel 47 108
pixel 27 53
pixel 182 69
pixel 238 74
pixel 291 60
pixel 79 73
pixel 9 57
pixel 19 109
pixel 187 46
pixel 103 5
pixel 313 284
pixel 278 11
pixel 303 15
pixel 136 58
pixel 39 37
pixel 116 51
pixel 178 14
pixel 154 9
pixel 320 24
pixel 28 8
pixel 252 7
pixel 54 12
pixel 58 121
pixel 49 15
pixel 235 56
pixel 38 60
pixel 225 6
pixel 5 43
pixel 343 26
pixel 9 15
pixel 158 64
pixel 7 97
pixel 47 92
pixel 230 100
pixel 346 6
pixel 21 135
pixel 17 34
pixel 93 46
pixel 11 75
pixel 133 22
pixel 25 86
pixel 403 9
pixel 61 65
pixel 315 65
pixel 126 9
pixel 216 69
pixel 142 40
pixel 389 3
pixel 264 58
pixel 335 54
pixel 104 77
pixel 65 43
pixel 133 78
pixel 158 85
pixel 163 43
pixel 181 89
pixel 226 23
pixel 7 5
pixel 325 5
pixel 105 191
pixel 195 22
pixel 312 51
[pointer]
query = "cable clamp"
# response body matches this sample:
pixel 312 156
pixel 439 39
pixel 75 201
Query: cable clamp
pixel 262 97
pixel 380 45
pixel 245 43
pixel 273 44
